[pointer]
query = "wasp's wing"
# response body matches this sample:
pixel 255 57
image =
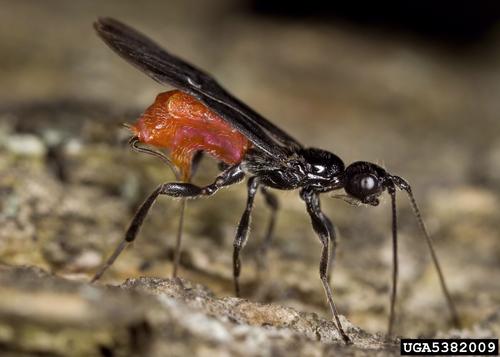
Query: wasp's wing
pixel 166 68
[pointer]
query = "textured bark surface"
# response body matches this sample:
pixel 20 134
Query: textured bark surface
pixel 47 315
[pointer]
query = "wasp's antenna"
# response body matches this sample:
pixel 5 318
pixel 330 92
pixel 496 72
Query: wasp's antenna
pixel 403 185
pixel 392 192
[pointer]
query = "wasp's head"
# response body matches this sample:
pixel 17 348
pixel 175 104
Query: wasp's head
pixel 366 181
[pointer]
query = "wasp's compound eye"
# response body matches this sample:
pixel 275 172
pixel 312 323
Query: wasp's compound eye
pixel 367 183
pixel 364 186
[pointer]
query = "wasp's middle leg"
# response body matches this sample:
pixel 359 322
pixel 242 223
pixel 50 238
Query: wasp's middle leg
pixel 242 232
pixel 272 202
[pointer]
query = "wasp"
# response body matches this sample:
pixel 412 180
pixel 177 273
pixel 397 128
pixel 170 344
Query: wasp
pixel 200 116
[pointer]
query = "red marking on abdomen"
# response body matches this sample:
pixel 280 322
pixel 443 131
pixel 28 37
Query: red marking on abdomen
pixel 180 123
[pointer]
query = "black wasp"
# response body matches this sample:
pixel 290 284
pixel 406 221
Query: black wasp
pixel 201 116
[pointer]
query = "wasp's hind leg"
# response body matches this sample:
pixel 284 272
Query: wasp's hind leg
pixel 178 241
pixel 231 176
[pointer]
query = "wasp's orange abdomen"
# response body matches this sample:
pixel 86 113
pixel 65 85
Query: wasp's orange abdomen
pixel 180 123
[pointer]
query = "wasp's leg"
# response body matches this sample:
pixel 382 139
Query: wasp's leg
pixel 178 241
pixel 322 229
pixel 242 232
pixel 273 204
pixel 333 240
pixel 177 189
pixel 195 163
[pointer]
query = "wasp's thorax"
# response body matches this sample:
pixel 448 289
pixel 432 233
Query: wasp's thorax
pixel 322 169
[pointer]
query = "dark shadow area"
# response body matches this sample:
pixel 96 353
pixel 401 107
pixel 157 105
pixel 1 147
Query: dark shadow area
pixel 451 23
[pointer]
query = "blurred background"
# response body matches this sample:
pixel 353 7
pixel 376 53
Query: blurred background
pixel 414 87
